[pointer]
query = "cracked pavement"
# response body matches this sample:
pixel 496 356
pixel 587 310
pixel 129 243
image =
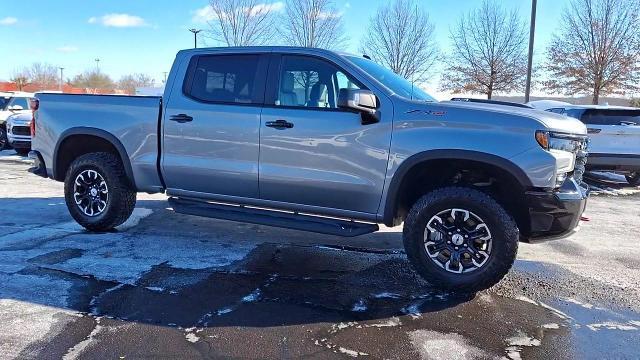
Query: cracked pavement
pixel 174 286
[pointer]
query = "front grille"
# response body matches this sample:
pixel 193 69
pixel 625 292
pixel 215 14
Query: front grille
pixel 21 130
pixel 581 161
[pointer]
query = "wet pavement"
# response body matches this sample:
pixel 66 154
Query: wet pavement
pixel 173 286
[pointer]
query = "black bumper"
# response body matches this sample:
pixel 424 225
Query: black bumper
pixel 555 214
pixel 38 167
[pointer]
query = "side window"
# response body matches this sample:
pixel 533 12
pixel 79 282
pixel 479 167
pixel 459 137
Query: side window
pixel 224 79
pixel 311 83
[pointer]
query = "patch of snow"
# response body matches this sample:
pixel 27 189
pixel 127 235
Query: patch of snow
pixel 253 297
pixel 155 288
pixel 386 295
pixel 435 345
pixel 610 325
pixel 359 306
pixel 413 310
pixel 224 311
pixel 351 353
pixel 551 326
pixel 23 323
pixel 523 340
pixel 394 321
pixel 135 218
pixel 192 338
pixel 75 351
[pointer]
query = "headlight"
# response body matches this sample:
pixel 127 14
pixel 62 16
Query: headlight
pixel 560 141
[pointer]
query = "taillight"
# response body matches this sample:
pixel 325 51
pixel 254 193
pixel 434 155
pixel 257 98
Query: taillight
pixel 34 104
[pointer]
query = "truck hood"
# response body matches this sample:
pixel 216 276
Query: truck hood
pixel 547 120
pixel 6 113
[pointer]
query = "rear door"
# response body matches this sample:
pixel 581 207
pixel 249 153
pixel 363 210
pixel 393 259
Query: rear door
pixel 211 126
pixel 613 131
pixel 321 156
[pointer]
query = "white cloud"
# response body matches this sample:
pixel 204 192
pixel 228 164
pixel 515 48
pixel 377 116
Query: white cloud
pixel 8 21
pixel 67 49
pixel 119 20
pixel 206 13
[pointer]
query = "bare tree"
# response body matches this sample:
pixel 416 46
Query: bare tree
pixel 489 52
pixel 313 24
pixel 130 83
pixel 43 76
pixel 93 80
pixel 401 37
pixel 242 22
pixel 20 78
pixel 597 50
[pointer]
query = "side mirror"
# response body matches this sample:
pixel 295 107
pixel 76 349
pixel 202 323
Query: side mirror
pixel 15 108
pixel 363 101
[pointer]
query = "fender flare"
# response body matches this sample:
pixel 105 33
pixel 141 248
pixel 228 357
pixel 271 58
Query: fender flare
pixel 103 134
pixel 442 154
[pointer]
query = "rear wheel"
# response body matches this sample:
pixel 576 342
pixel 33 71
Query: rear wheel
pixel 98 193
pixel 3 138
pixel 633 178
pixel 460 239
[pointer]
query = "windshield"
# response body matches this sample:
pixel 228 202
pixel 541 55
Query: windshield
pixel 393 81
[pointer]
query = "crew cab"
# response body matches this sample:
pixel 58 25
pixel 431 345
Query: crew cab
pixel 614 133
pixel 327 142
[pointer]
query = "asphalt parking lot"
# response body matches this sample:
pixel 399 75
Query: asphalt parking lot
pixel 172 286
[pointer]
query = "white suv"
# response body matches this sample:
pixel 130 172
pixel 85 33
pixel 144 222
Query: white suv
pixel 614 133
pixel 15 103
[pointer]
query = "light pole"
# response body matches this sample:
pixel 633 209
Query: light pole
pixel 195 37
pixel 165 76
pixel 532 35
pixel 97 64
pixel 61 77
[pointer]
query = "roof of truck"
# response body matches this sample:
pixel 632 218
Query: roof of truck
pixel 267 49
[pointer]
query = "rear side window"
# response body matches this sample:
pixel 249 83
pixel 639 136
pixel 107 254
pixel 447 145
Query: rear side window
pixel 224 79
pixel 610 116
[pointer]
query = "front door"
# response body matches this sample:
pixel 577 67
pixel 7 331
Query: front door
pixel 314 153
pixel 211 126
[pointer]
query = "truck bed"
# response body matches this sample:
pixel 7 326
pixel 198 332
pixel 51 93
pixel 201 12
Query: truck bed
pixel 132 121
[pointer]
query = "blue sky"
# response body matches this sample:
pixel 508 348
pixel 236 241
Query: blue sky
pixel 72 33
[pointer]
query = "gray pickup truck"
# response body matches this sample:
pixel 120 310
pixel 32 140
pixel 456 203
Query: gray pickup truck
pixel 319 141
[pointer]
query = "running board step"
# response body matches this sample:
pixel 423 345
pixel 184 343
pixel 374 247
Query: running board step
pixel 287 220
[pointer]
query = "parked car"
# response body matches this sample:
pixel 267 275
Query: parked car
pixel 314 140
pixel 17 103
pixel 614 133
pixel 19 132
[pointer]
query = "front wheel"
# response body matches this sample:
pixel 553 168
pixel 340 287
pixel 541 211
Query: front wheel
pixel 633 178
pixel 460 239
pixel 98 193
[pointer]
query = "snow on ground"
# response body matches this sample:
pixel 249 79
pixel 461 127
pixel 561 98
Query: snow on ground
pixel 435 345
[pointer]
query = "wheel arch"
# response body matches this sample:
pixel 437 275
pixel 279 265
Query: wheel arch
pixel 404 172
pixel 87 139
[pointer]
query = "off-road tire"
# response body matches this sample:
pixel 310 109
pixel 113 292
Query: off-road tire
pixel 634 178
pixel 122 196
pixel 504 231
